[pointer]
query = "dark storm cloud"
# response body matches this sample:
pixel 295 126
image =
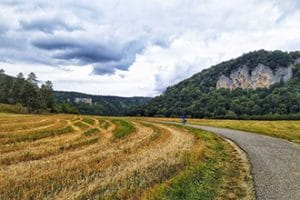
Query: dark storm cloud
pixel 107 68
pixel 87 55
pixel 129 52
pixel 85 52
pixel 47 25
pixel 105 57
pixel 55 44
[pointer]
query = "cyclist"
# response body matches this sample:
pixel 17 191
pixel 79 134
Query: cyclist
pixel 183 117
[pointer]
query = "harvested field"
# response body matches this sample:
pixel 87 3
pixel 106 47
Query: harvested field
pixel 89 157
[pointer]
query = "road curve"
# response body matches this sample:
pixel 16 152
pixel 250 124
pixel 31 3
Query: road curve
pixel 275 163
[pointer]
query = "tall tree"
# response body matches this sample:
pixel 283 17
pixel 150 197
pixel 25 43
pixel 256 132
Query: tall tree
pixel 2 86
pixel 31 97
pixel 47 96
pixel 32 78
pixel 18 90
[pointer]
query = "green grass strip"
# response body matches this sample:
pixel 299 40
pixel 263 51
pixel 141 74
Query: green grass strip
pixel 88 121
pixel 91 131
pixel 104 123
pixel 42 134
pixel 81 125
pixel 123 128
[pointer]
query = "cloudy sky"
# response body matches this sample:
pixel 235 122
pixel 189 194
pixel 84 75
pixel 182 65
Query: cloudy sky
pixel 135 47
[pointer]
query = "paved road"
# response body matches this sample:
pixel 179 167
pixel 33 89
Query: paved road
pixel 275 163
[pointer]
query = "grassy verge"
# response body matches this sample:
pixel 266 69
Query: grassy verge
pixel 289 130
pixel 216 174
pixel 123 128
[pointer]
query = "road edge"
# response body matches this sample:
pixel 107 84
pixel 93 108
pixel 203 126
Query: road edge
pixel 251 192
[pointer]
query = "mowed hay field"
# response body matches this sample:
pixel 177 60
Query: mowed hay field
pixel 89 157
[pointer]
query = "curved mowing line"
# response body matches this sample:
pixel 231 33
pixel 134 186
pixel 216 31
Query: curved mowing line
pixel 123 128
pixel 23 125
pixel 87 139
pixel 10 134
pixel 40 134
pixel 89 121
pixel 156 130
pixel 103 123
pixel 25 130
pixel 81 125
pixel 91 131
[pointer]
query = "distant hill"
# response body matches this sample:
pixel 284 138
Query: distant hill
pixel 100 105
pixel 259 84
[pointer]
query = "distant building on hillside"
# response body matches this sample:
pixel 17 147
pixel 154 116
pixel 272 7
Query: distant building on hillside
pixel 83 100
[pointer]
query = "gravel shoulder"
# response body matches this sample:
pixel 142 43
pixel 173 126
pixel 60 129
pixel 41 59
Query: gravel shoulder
pixel 275 162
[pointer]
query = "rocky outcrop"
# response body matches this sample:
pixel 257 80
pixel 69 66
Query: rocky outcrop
pixel 260 77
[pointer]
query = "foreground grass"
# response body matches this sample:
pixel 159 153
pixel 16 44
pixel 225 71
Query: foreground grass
pixel 217 173
pixel 123 128
pixel 285 129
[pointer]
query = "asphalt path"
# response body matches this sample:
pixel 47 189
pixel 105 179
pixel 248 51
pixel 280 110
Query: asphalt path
pixel 275 163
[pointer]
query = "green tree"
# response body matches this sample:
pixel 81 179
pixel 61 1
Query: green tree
pixel 32 78
pixel 47 96
pixel 19 88
pixel 31 97
pixel 2 86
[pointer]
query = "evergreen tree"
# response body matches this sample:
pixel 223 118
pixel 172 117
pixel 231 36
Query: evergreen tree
pixel 32 78
pixel 2 86
pixel 19 88
pixel 31 97
pixel 47 97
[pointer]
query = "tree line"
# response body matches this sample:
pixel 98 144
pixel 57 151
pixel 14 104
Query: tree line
pixel 26 92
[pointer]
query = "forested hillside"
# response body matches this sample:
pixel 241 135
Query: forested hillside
pixel 199 97
pixel 101 105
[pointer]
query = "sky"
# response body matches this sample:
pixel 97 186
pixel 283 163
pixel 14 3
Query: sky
pixel 135 47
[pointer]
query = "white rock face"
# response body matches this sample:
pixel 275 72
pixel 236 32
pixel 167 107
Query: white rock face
pixel 260 77
pixel 224 82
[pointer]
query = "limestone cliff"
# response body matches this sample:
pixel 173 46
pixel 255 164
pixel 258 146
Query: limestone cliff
pixel 260 77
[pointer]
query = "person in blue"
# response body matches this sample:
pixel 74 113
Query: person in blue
pixel 183 117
